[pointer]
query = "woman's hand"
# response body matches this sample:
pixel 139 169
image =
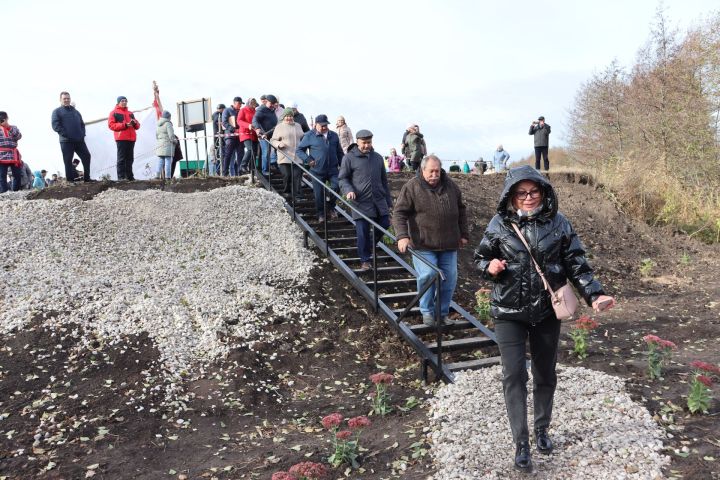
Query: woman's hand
pixel 496 266
pixel 603 302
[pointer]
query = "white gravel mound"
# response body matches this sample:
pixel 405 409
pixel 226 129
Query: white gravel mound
pixel 598 431
pixel 176 266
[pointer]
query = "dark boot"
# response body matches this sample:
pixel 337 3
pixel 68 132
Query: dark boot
pixel 544 444
pixel 523 462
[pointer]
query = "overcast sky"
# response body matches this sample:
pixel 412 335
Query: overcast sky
pixel 472 74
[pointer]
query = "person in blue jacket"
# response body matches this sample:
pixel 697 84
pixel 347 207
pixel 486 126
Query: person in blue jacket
pixel 320 149
pixel 39 181
pixel 70 127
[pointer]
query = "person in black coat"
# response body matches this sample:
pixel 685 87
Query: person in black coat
pixel 69 125
pixel 364 182
pixel 520 305
pixel 541 139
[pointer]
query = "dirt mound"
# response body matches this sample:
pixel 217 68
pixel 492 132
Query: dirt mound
pixel 258 411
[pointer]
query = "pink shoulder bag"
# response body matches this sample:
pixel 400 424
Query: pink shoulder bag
pixel 564 301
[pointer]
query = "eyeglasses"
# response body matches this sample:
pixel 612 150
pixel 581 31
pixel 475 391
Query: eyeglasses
pixel 522 195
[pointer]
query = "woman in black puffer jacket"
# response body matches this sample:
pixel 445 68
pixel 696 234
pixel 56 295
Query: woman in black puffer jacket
pixel 520 305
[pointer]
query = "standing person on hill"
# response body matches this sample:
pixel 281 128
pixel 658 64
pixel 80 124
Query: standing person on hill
pixel 395 161
pixel 70 127
pixel 165 145
pixel 520 305
pixel 344 132
pixel 264 122
pixel 9 155
pixel 320 149
pixel 415 147
pixel 430 216
pixel 500 159
pixel 364 182
pixel 541 131
pixel 123 123
pixel 218 140
pixel 285 139
pixel 233 148
pixel 247 134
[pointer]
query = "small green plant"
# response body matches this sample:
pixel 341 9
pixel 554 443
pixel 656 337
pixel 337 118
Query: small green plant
pixel 345 442
pixel 580 332
pixel 482 308
pixel 659 354
pixel 646 267
pixel 387 240
pixel 685 258
pixel 700 395
pixel 410 403
pixel 380 398
pixel 419 449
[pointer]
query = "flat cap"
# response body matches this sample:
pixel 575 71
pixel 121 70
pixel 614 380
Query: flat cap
pixel 363 134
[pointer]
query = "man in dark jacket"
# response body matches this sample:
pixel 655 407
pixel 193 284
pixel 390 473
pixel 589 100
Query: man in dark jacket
pixel 264 123
pixel 430 217
pixel 541 131
pixel 69 125
pixel 320 149
pixel 364 182
pixel 234 148
pixel 218 140
pixel 299 118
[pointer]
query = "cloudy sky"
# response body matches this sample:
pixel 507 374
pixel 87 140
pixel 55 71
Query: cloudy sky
pixel 472 74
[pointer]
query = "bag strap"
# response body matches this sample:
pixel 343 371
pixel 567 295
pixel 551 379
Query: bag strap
pixel 537 267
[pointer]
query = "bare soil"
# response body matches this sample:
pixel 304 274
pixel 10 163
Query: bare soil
pixel 259 411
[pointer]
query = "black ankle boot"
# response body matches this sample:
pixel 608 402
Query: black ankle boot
pixel 544 444
pixel 523 462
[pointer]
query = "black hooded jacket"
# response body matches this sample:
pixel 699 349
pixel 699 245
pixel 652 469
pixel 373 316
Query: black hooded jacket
pixel 518 293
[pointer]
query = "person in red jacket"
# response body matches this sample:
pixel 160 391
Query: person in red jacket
pixel 122 122
pixel 247 134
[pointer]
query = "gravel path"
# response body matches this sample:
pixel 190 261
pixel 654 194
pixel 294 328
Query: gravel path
pixel 599 432
pixel 176 266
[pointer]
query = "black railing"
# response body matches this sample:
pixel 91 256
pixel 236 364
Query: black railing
pixel 437 276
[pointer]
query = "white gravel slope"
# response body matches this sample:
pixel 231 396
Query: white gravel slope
pixel 173 265
pixel 599 432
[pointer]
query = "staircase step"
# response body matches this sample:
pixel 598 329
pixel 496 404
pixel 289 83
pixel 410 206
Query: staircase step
pixel 384 270
pixel 473 364
pixel 414 312
pixel 389 296
pixel 422 329
pixel 392 281
pixel 380 258
pixel 470 343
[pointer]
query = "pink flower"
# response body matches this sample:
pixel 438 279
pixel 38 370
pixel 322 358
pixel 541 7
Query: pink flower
pixel 705 380
pixel 283 476
pixel 586 323
pixel 650 339
pixel 343 434
pixel 384 378
pixel 332 421
pixel 359 422
pixel 309 470
pixel 707 367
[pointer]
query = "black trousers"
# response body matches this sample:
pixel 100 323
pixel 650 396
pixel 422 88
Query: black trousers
pixel 288 171
pixel 68 150
pixel 251 154
pixel 544 152
pixel 511 338
pixel 125 158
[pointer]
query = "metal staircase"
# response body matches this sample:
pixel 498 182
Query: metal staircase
pixel 390 286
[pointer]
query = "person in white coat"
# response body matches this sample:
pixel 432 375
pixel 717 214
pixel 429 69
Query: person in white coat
pixel 165 145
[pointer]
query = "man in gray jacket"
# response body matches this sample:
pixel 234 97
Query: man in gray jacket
pixel 541 131
pixel 364 182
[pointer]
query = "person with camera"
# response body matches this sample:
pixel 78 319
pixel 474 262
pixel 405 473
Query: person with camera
pixel 123 124
pixel 541 131
pixel 521 306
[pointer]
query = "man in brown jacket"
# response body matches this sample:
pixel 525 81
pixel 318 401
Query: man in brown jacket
pixel 430 217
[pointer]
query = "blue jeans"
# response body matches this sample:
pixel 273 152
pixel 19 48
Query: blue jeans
pixel 364 239
pixel 17 173
pixel 165 162
pixel 498 165
pixel 446 261
pixel 320 191
pixel 266 152
pixel 233 153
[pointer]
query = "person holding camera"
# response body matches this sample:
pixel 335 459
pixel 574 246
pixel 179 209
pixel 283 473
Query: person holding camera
pixel 541 131
pixel 123 123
